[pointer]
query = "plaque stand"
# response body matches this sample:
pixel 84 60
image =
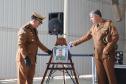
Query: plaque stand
pixel 67 67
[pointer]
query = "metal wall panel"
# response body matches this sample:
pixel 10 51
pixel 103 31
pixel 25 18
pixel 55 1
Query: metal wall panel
pixel 9 21
pixel 10 13
pixel 7 53
pixel 15 13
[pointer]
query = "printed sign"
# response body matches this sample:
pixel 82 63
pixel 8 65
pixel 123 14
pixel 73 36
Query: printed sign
pixel 60 54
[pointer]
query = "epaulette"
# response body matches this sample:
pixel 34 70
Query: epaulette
pixel 107 23
pixel 26 26
pixel 108 20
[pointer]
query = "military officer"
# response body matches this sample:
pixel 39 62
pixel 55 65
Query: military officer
pixel 28 43
pixel 105 37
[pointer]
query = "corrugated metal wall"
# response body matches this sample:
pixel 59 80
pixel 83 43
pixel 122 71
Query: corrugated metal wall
pixel 15 13
pixel 10 20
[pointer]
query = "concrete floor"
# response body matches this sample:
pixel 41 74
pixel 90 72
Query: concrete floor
pixel 52 81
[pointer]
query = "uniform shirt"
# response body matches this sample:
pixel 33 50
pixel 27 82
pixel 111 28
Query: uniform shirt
pixel 28 43
pixel 101 33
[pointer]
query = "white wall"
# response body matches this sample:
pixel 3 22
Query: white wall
pixel 15 13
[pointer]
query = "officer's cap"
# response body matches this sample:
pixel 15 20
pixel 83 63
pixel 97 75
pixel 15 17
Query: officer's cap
pixel 37 16
pixel 96 12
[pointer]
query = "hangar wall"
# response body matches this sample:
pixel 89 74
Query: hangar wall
pixel 15 13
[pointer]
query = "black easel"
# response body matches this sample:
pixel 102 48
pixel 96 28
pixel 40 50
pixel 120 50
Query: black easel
pixel 67 68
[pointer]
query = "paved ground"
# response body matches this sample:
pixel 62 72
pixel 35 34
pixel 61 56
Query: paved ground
pixel 52 81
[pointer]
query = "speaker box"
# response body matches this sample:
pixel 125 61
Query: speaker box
pixel 56 23
pixel 121 74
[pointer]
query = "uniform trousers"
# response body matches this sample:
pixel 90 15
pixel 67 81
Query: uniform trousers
pixel 105 70
pixel 25 74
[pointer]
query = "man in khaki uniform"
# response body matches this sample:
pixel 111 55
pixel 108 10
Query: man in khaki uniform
pixel 105 37
pixel 28 43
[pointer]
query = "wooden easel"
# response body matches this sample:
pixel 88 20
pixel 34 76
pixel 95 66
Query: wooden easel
pixel 65 67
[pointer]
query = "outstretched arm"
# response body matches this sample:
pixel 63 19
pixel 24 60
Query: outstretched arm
pixel 82 39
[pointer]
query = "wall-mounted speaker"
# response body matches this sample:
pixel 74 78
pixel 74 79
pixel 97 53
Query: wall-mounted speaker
pixel 55 24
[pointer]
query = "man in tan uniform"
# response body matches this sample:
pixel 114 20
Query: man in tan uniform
pixel 28 43
pixel 105 37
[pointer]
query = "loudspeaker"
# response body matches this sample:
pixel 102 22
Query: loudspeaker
pixel 56 23
pixel 121 74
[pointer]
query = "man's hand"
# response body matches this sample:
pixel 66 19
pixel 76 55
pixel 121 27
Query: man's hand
pixel 27 61
pixel 49 52
pixel 70 45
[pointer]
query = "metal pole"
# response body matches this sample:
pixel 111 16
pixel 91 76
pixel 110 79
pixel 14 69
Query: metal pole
pixel 93 71
pixel 66 18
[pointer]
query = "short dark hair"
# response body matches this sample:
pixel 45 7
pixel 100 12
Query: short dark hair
pixel 96 12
